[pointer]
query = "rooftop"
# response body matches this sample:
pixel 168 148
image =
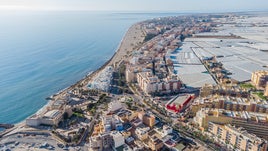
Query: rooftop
pixel 189 67
pixel 52 114
pixel 249 116
pixel 179 100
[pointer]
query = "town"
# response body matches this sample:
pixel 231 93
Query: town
pixel 196 82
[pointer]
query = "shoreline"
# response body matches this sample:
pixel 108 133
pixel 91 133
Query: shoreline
pixel 91 74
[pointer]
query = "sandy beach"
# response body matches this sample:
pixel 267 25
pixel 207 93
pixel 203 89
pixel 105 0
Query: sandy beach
pixel 132 39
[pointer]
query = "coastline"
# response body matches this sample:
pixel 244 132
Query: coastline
pixel 123 48
pixel 85 114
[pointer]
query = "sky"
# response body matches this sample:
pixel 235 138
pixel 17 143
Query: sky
pixel 137 5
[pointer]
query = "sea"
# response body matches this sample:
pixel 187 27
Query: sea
pixel 43 52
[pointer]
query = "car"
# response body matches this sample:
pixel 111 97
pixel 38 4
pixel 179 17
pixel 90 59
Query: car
pixel 60 145
pixel 19 136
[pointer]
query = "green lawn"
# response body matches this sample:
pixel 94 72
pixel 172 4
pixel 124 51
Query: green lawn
pixel 78 114
pixel 246 85
pixel 260 95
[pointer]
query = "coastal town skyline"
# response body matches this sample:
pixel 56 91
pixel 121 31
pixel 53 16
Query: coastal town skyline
pixel 187 82
pixel 120 75
pixel 138 5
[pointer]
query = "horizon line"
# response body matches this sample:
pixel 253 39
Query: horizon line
pixel 139 11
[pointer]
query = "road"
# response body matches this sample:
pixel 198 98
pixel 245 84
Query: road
pixel 88 130
pixel 137 97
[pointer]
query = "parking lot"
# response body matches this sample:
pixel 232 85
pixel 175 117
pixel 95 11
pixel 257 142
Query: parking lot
pixel 33 142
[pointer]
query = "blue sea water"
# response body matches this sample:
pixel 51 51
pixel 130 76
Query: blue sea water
pixel 44 52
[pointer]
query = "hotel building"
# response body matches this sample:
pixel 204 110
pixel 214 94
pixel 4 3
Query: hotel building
pixel 52 118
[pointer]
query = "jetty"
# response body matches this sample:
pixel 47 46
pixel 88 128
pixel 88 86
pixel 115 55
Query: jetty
pixel 6 126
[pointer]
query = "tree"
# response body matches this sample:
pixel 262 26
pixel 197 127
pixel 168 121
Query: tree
pixel 102 97
pixel 129 104
pixel 182 37
pixel 149 36
pixel 65 115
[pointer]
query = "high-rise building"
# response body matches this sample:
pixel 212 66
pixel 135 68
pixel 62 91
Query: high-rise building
pixel 237 137
pixel 255 123
pixel 260 78
pixel 230 103
pixel 266 90
pixel 150 83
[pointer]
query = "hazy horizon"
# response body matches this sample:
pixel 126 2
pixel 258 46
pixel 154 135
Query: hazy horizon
pixel 208 6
